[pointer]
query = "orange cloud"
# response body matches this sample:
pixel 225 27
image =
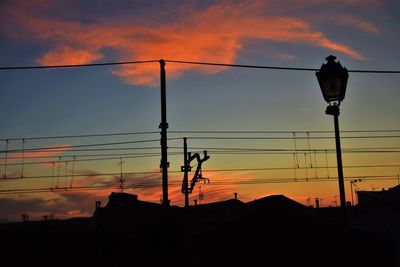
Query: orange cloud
pixel 51 152
pixel 68 56
pixel 40 153
pixel 214 34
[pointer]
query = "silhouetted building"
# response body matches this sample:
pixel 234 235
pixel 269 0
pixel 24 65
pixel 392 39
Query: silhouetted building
pixel 273 231
pixel 389 197
pixel 125 209
pixel 280 202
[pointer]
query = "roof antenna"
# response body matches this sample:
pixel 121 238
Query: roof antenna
pixel 52 175
pixel 309 149
pixel 72 171
pixel 66 175
pixel 305 164
pixel 58 171
pixel 295 150
pixel 23 157
pixel 121 179
pixel 5 161
pixel 295 167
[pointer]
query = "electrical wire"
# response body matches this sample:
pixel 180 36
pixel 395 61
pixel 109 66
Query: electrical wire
pixel 208 170
pixel 289 153
pixel 79 175
pixel 80 155
pixel 272 67
pixel 77 65
pixel 91 150
pixel 177 183
pixel 278 132
pixel 54 190
pixel 193 132
pixel 79 136
pixel 209 149
pixel 287 138
pixel 300 168
pixel 187 62
pixel 52 148
pixel 94 159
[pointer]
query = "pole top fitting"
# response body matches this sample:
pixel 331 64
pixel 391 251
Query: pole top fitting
pixel 162 62
pixel 330 58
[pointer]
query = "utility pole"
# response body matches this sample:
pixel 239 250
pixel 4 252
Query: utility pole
pixel 185 170
pixel 164 126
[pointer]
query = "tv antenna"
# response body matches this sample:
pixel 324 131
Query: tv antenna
pixel 121 179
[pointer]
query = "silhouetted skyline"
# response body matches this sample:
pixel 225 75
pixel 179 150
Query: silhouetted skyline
pixel 265 130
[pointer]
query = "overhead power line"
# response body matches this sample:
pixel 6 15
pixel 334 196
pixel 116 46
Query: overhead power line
pixel 278 132
pixel 252 149
pixel 53 148
pixel 287 138
pixel 77 136
pixel 217 150
pixel 55 190
pixel 78 65
pixel 177 183
pixel 80 150
pixel 187 62
pixel 205 170
pixel 299 168
pixel 126 156
pixel 272 67
pixel 291 153
pixel 194 132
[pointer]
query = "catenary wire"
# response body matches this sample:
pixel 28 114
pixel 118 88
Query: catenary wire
pixel 79 136
pixel 225 182
pixel 192 132
pixel 85 145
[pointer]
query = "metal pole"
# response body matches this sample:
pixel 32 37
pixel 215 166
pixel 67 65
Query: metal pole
pixel 339 163
pixel 186 170
pixel 351 188
pixel 164 126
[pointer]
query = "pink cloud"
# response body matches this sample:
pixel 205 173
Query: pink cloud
pixel 43 153
pixel 68 56
pixel 214 34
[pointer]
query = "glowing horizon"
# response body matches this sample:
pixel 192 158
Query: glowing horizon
pixel 115 99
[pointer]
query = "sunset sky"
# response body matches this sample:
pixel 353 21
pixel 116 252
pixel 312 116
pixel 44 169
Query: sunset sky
pixel 362 34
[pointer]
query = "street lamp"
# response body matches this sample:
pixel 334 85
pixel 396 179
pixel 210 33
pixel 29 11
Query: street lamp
pixel 332 78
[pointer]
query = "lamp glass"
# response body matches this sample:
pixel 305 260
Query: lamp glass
pixel 332 78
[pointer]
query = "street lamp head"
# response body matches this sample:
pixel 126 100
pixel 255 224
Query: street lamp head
pixel 332 78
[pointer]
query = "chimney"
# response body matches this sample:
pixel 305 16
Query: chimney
pixel 317 202
pixel 98 204
pixel 235 195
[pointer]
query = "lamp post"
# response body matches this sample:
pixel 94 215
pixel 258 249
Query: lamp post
pixel 332 78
